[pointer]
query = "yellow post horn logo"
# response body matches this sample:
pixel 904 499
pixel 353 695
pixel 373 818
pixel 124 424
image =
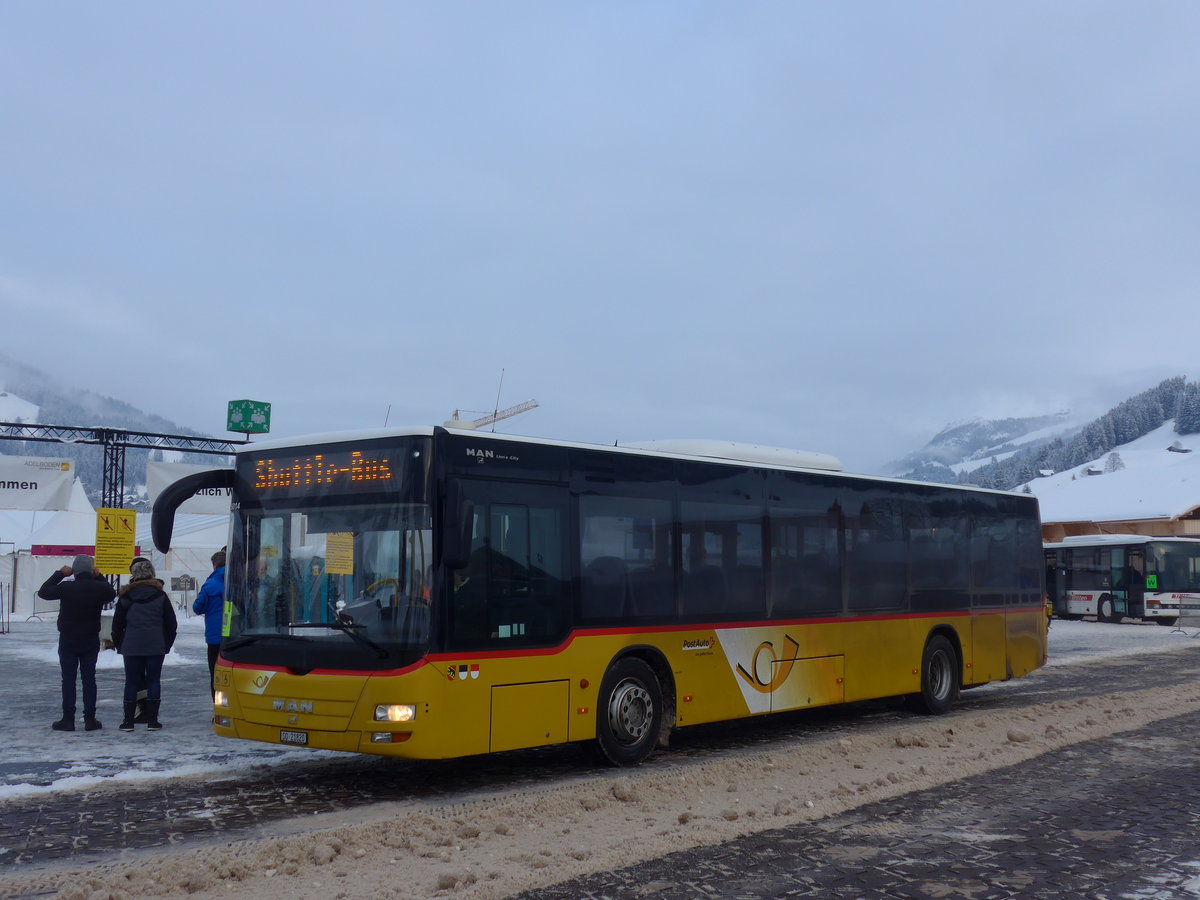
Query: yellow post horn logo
pixel 779 673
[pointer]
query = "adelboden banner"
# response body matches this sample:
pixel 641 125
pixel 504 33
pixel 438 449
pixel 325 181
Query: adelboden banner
pixel 35 482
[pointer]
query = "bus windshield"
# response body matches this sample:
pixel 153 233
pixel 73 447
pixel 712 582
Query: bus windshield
pixel 330 560
pixel 352 574
pixel 1176 566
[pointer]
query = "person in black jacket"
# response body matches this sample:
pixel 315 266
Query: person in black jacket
pixel 79 603
pixel 143 630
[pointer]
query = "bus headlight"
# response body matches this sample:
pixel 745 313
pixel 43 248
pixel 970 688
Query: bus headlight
pixel 395 712
pixel 220 698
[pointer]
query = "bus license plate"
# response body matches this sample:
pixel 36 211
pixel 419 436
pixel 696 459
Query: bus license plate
pixel 293 737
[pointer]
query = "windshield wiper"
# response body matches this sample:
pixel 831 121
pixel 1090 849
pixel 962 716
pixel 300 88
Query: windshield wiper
pixel 349 628
pixel 247 639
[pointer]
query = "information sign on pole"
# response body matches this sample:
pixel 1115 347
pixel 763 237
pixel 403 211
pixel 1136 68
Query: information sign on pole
pixel 116 530
pixel 249 417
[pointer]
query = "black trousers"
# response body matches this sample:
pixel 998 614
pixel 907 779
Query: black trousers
pixel 214 651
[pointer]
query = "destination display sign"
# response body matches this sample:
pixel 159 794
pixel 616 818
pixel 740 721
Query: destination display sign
pixel 339 471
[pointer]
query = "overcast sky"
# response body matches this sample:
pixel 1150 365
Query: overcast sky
pixel 832 226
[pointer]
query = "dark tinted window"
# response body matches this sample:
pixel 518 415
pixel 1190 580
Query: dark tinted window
pixel 625 558
pixel 806 566
pixel 722 555
pixel 512 591
pixel 938 533
pixel 876 551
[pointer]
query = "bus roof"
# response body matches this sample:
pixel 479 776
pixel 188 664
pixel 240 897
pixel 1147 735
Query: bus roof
pixel 755 453
pixel 727 452
pixel 1098 540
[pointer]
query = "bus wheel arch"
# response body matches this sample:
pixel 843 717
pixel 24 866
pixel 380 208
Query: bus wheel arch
pixel 635 706
pixel 941 674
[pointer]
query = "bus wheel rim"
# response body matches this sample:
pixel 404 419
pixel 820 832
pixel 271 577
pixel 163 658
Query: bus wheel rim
pixel 630 711
pixel 939 675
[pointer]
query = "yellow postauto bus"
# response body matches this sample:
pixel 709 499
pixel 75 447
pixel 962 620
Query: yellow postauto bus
pixel 434 593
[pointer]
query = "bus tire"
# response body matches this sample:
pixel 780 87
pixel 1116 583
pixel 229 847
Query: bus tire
pixel 629 712
pixel 1104 609
pixel 1166 620
pixel 940 678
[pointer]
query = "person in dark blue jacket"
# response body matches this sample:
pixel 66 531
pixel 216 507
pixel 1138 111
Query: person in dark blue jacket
pixel 210 603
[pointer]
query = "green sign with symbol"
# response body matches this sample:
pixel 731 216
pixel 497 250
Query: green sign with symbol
pixel 249 417
pixel 1152 582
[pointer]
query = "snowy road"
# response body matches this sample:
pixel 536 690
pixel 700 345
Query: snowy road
pixel 36 759
pixel 86 798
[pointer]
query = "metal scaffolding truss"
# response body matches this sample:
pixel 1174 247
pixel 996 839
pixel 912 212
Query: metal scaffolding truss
pixel 115 441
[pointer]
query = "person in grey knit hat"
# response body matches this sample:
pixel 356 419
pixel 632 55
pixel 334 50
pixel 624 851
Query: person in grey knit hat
pixel 79 603
pixel 144 628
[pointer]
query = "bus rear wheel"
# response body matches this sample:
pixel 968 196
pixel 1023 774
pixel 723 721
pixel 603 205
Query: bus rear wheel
pixel 1166 620
pixel 629 712
pixel 940 680
pixel 1104 609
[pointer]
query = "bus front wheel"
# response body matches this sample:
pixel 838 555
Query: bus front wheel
pixel 1104 609
pixel 939 678
pixel 629 713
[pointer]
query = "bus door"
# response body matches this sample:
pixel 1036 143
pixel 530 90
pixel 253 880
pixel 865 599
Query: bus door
pixel 1120 585
pixel 1053 572
pixel 512 594
pixel 1136 586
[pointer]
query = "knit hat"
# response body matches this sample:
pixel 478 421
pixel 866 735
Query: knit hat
pixel 82 564
pixel 141 570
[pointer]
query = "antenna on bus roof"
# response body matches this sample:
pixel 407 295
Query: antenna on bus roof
pixel 387 415
pixel 496 411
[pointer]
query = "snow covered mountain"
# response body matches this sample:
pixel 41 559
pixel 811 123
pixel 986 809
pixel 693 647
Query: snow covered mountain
pixel 29 396
pixel 1155 478
pixel 16 409
pixel 962 446
pixel 1007 453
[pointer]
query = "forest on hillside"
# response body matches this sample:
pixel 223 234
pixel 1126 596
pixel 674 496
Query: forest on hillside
pixel 62 406
pixel 1175 398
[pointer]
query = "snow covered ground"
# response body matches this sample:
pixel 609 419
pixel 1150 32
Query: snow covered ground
pixel 34 758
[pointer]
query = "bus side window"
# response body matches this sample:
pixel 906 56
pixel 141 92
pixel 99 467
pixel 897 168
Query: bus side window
pixel 625 558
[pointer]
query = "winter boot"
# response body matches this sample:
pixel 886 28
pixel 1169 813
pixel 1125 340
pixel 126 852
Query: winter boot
pixel 152 722
pixel 66 723
pixel 127 722
pixel 91 723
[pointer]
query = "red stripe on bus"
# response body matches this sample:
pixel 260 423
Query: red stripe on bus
pixel 458 655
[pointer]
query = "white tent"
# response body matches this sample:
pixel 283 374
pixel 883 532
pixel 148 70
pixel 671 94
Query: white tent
pixel 22 530
pixel 74 526
pixel 183 570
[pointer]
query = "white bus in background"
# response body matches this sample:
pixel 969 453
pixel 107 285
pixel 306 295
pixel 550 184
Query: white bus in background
pixel 1111 576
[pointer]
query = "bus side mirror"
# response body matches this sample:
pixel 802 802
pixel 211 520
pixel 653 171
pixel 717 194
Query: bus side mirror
pixel 457 520
pixel 162 517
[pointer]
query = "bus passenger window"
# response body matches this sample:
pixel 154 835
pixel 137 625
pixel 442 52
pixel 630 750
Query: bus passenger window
pixel 625 558
pixel 722 560
pixel 806 569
